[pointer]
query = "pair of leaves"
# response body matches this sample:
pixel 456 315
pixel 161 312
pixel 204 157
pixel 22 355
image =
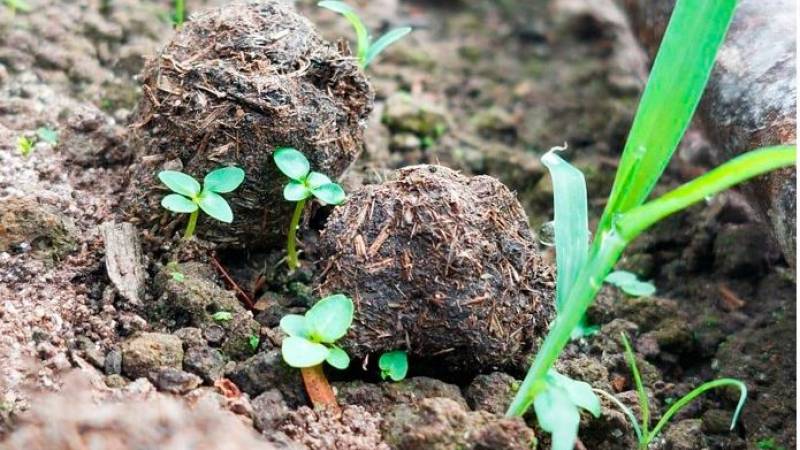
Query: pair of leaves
pixel 630 284
pixel 325 323
pixel 558 407
pixel 367 51
pixel 394 365
pixel 189 195
pixel 305 183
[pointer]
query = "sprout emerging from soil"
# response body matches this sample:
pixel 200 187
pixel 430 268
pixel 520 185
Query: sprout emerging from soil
pixel 643 433
pixel 179 12
pixel 190 198
pixel 630 284
pixel 311 342
pixel 302 185
pixel 367 50
pixel 394 365
pixel 24 146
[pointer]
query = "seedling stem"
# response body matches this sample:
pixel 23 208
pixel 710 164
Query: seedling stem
pixel 291 242
pixel 191 225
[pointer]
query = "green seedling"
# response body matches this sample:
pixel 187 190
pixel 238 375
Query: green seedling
pixel 367 50
pixel 394 365
pixel 17 5
pixel 677 80
pixel 254 340
pixel 48 135
pixel 25 146
pixel 769 444
pixel 190 197
pixel 630 284
pixel 178 12
pixel 303 184
pixel 643 433
pixel 222 316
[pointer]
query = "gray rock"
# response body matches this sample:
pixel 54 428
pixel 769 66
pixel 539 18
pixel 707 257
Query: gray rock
pixel 208 363
pixel 174 381
pixel 190 336
pixel 147 352
pixel 265 371
pixel 113 362
pixel 269 410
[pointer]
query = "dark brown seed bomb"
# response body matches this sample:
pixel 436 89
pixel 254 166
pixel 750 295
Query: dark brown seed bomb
pixel 442 265
pixel 233 84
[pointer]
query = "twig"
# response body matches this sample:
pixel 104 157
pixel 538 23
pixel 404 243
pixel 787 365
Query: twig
pixel 243 295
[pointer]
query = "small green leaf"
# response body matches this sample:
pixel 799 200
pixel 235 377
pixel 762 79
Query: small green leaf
pixel 330 193
pixel 336 6
pixel 177 276
pixel 394 365
pixel 299 352
pixel 292 163
pixel 180 182
pixel 47 135
pixel 223 180
pixel 254 340
pixel 557 415
pixel 296 191
pixel 384 41
pixel 338 358
pixel 215 206
pixel 620 277
pixel 178 203
pixel 222 316
pixel 316 179
pixel 630 284
pixel 330 318
pixel 295 325
pixel 579 392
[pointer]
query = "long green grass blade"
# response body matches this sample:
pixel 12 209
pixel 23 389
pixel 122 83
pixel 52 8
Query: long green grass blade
pixel 362 35
pixel 644 402
pixel 677 80
pixel 735 171
pixel 384 41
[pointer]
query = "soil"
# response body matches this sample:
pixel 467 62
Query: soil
pixel 481 88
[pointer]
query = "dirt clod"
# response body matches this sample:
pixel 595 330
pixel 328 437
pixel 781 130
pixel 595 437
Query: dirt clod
pixel 441 264
pixel 265 371
pixel 148 352
pixel 234 84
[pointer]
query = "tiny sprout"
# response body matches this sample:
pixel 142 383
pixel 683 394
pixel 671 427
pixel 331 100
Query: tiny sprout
pixel 222 316
pixel 189 197
pixel 630 284
pixel 178 12
pixel 367 50
pixel 48 135
pixel 177 276
pixel 302 185
pixel 24 146
pixel 254 340
pixel 311 337
pixel 394 365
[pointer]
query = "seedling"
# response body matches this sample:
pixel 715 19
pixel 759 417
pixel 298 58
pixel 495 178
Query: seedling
pixel 48 135
pixel 311 342
pixel 179 12
pixel 222 316
pixel 643 434
pixel 630 284
pixel 394 365
pixel 24 146
pixel 254 340
pixel 677 80
pixel 367 50
pixel 17 5
pixel 190 198
pixel 303 183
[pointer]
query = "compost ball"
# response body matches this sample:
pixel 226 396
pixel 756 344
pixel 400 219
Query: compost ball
pixel 232 85
pixel 442 265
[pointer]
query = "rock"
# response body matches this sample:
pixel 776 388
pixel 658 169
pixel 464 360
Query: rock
pixel 383 396
pixel 443 263
pixel 192 302
pixel 322 429
pixel 405 142
pixel 685 435
pixel 175 381
pixel 717 421
pixel 442 424
pixel 265 371
pixel 209 363
pixel 269 411
pixel 92 138
pixel 492 392
pixel 584 368
pixel 739 250
pixel 115 381
pixel 147 352
pixel 26 222
pixel 190 336
pixel 113 362
pixel 124 260
pixel 404 113
pixel 258 71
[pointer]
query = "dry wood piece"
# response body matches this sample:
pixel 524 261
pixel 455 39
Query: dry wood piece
pixel 124 260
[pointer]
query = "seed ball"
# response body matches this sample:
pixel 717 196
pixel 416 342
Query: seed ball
pixel 442 265
pixel 232 85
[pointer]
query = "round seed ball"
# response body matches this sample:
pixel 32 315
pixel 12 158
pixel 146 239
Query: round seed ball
pixel 442 265
pixel 232 85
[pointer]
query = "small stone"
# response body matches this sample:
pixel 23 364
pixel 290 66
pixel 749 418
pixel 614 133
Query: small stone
pixel 404 113
pixel 686 435
pixel 208 363
pixel 190 336
pixel 175 381
pixel 150 351
pixel 113 362
pixel 265 371
pixel 491 392
pixel 115 381
pixel 717 421
pixel 405 142
pixel 214 334
pixel 269 410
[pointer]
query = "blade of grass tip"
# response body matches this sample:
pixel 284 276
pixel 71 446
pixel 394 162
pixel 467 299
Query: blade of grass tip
pixel 571 222
pixel 678 78
pixel 362 35
pixel 735 171
pixel 644 402
pixel 700 390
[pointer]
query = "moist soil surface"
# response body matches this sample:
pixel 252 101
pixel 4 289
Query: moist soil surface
pixel 483 88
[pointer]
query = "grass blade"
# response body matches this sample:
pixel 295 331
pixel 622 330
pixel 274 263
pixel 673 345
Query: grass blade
pixel 644 402
pixel 735 171
pixel 677 80
pixel 384 41
pixel 362 35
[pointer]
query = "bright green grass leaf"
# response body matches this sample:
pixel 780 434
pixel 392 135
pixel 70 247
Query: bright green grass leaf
pixel 223 180
pixel 295 325
pixel 24 146
pixel 180 183
pixel 47 135
pixel 394 365
pixel 316 179
pixel 330 193
pixel 295 191
pixel 222 316
pixel 178 203
pixel 384 41
pixel 338 358
pixel 362 36
pixel 330 318
pixel 215 206
pixel 677 80
pixel 299 352
pixel 254 340
pixel 292 163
